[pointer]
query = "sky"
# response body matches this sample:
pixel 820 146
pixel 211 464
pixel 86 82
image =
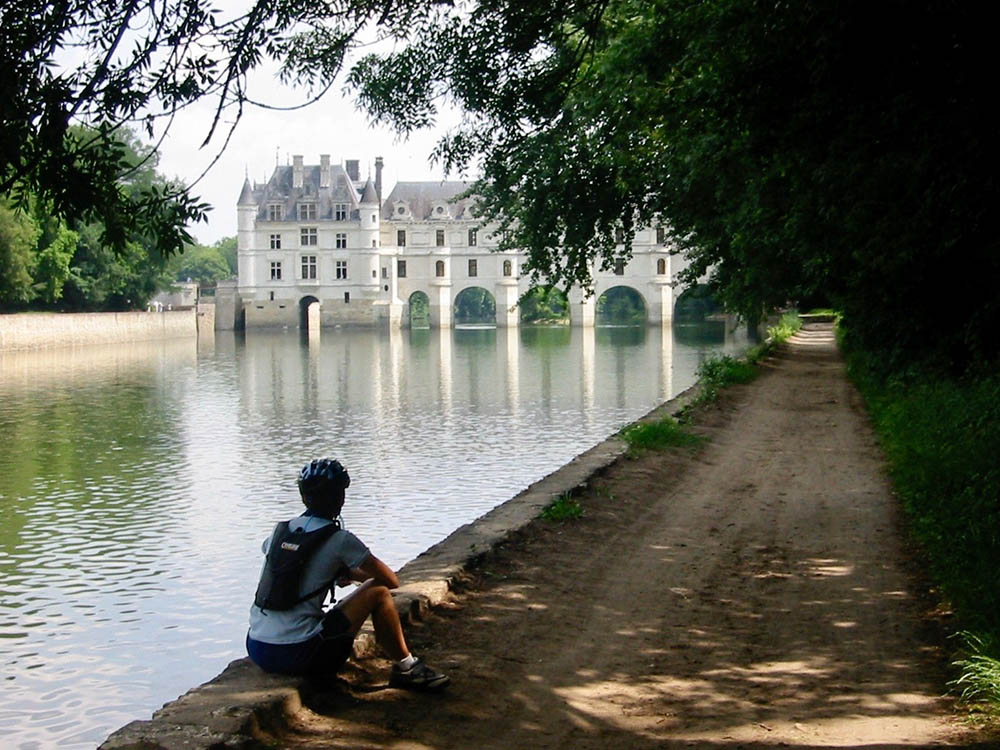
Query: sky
pixel 264 138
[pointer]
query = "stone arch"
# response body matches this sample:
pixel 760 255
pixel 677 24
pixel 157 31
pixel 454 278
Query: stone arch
pixel 696 304
pixel 439 269
pixel 418 310
pixel 621 305
pixel 305 306
pixel 541 306
pixel 661 266
pixel 474 305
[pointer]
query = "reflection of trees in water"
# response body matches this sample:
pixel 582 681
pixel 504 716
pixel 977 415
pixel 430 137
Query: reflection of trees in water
pixel 700 333
pixel 475 305
pixel 696 304
pixel 621 305
pixel 541 305
pixel 420 310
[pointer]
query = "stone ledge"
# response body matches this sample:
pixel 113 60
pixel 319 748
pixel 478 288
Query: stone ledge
pixel 230 710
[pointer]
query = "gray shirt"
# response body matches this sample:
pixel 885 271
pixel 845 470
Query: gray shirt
pixel 305 619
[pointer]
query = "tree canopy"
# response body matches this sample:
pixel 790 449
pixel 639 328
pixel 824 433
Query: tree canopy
pixel 837 149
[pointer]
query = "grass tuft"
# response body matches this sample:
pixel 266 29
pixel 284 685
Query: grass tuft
pixel 564 508
pixel 659 435
pixel 979 667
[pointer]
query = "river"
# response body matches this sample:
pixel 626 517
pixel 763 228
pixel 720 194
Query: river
pixel 137 481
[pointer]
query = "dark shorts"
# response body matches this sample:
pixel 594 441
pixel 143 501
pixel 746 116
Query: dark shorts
pixel 324 653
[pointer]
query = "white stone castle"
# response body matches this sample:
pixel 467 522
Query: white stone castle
pixel 318 234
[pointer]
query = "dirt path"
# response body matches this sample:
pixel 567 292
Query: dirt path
pixel 749 594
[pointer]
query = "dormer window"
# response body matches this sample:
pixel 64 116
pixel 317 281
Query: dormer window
pixel 307 212
pixel 340 212
pixel 401 209
pixel 275 212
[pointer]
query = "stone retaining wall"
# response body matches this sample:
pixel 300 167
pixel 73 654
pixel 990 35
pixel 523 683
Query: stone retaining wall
pixel 43 330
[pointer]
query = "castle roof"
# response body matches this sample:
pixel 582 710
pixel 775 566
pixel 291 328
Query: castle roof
pixel 422 197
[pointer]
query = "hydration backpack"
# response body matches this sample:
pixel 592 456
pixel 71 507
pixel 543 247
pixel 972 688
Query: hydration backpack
pixel 286 561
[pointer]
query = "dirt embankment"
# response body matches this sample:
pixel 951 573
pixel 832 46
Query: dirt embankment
pixel 754 592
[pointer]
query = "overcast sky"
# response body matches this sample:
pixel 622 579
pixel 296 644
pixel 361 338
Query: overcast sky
pixel 264 138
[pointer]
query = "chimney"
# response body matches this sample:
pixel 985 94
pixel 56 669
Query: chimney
pixel 324 170
pixel 378 177
pixel 353 169
pixel 297 171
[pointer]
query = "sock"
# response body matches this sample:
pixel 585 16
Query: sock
pixel 408 662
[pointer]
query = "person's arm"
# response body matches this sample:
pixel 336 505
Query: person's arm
pixel 374 568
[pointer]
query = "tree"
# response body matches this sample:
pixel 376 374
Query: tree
pixel 797 148
pixel 136 63
pixel 18 235
pixel 206 265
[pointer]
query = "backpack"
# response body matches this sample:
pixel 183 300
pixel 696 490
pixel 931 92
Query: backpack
pixel 285 564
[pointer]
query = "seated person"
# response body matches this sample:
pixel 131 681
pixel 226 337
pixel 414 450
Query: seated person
pixel 289 631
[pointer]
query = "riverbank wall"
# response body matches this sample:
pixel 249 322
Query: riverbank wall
pixel 25 331
pixel 231 709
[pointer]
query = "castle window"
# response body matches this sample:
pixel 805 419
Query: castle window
pixel 401 269
pixel 439 238
pixel 619 266
pixel 308 236
pixel 507 268
pixel 347 298
pixel 473 236
pixel 341 240
pixel 620 236
pixel 274 212
pixel 661 266
pixel 400 210
pixel 661 235
pixel 307 212
pixel 473 267
pixel 308 266
pixel 385 272
pixel 340 212
pixel 341 269
pixel 275 241
pixel 401 237
pixel 275 270
pixel 439 269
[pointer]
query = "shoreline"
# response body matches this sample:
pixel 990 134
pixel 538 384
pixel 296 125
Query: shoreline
pixel 230 709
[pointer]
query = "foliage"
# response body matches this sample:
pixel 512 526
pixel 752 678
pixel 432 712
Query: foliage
pixel 53 267
pixel 979 666
pixel 227 248
pixel 544 305
pixel 786 327
pixel 135 63
pixel 620 305
pixel 18 236
pixel 657 435
pixel 941 437
pixel 799 150
pixel 206 265
pixel 563 508
pixel 475 305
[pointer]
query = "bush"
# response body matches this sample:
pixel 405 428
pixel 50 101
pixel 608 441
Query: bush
pixel 658 435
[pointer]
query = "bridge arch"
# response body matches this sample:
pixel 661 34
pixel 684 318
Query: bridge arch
pixel 309 313
pixel 541 306
pixel 474 305
pixel 621 305
pixel 696 304
pixel 418 310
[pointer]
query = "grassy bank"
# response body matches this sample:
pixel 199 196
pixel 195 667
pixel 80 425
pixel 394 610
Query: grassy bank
pixel 941 436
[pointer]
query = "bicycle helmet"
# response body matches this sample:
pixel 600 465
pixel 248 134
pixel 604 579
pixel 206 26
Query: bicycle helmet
pixel 322 482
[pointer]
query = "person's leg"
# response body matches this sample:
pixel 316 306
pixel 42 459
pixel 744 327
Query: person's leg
pixel 371 599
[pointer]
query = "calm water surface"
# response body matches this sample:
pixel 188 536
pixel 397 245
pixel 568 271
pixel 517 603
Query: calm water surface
pixel 137 481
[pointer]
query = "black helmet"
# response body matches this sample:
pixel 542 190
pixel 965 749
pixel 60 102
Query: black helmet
pixel 321 481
